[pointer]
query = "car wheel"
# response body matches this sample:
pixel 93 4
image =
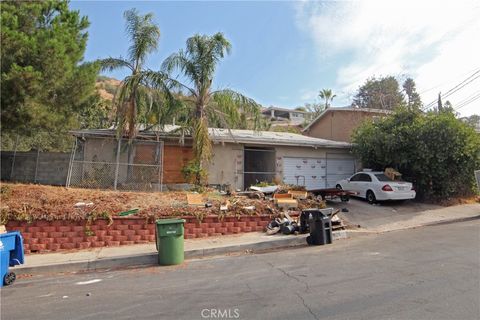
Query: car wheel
pixel 338 187
pixel 371 197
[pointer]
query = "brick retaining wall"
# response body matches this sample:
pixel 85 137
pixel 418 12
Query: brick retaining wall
pixel 48 236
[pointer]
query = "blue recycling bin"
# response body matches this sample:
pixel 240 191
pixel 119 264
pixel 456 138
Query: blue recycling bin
pixel 11 254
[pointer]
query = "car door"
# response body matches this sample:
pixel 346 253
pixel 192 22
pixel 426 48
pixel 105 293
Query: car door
pixel 364 183
pixel 353 183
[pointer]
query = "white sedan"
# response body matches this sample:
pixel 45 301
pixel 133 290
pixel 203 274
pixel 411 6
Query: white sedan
pixel 376 186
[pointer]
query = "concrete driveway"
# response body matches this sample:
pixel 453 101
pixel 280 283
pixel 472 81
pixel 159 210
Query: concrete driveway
pixel 368 216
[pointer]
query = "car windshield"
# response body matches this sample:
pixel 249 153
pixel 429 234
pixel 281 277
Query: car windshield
pixel 382 177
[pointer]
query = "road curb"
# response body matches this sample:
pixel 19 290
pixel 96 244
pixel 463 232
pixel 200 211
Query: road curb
pixel 151 259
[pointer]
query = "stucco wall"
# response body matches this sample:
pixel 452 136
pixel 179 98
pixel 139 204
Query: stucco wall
pixel 227 163
pixel 339 125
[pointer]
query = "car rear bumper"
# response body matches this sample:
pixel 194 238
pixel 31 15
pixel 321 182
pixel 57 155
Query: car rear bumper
pixel 384 195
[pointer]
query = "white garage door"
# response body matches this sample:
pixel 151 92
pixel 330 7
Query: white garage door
pixel 338 169
pixel 308 172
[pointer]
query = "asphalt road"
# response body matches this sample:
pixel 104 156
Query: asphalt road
pixel 425 273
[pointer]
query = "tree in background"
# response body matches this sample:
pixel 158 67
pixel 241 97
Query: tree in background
pixel 412 96
pixel 46 86
pixel 381 93
pixel 202 106
pixel 143 95
pixel 327 95
pixel 436 151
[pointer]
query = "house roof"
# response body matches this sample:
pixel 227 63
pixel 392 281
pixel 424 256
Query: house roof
pixel 283 109
pixel 345 109
pixel 232 136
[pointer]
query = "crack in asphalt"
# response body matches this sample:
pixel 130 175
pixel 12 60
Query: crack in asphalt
pixel 307 288
pixel 253 292
pixel 306 306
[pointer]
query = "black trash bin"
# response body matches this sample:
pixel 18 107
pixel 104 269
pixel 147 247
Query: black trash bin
pixel 320 226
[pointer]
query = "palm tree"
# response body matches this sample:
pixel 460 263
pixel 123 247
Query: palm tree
pixel 201 105
pixel 138 95
pixel 327 95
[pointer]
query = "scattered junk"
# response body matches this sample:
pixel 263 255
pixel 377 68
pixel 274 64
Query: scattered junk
pixel 195 199
pixel 333 193
pixel 128 213
pixel 285 200
pixel 265 190
pixel 83 204
pixel 393 174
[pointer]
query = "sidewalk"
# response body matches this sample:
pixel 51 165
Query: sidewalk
pixel 135 255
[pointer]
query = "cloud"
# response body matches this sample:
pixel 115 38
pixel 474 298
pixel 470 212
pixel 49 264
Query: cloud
pixel 435 43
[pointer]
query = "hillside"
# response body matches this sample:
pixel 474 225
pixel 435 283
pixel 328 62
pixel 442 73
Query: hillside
pixel 107 87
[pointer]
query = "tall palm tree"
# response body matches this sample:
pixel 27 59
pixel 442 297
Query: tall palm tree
pixel 137 95
pixel 327 95
pixel 202 105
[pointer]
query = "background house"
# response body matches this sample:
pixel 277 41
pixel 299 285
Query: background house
pixel 154 161
pixel 338 123
pixel 282 116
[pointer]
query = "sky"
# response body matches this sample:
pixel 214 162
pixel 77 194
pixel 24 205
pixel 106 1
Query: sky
pixel 285 52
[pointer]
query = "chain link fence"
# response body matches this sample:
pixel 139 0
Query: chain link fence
pixel 108 163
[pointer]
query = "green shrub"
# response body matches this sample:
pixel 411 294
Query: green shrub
pixel 435 151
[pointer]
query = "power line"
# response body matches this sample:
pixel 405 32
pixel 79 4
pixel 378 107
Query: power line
pixel 466 102
pixel 456 88
pixel 445 82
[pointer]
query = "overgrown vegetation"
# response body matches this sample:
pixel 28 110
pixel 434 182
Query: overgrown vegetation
pixel 436 151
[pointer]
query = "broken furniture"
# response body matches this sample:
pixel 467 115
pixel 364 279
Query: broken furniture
pixel 334 193
pixel 285 200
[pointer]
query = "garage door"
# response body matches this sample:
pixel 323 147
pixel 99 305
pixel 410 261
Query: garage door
pixel 338 169
pixel 308 172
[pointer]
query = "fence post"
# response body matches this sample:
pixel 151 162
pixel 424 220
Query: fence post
pixel 117 163
pixel 70 165
pixel 13 161
pixel 36 167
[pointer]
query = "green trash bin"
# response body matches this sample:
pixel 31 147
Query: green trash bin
pixel 170 241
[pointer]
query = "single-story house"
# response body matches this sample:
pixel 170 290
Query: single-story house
pixel 338 123
pixel 240 158
pixel 292 117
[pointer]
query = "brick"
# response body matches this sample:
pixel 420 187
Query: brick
pixel 134 238
pixel 105 238
pixel 46 240
pixel 240 224
pixel 64 228
pixel 221 230
pixel 95 228
pixel 189 225
pixel 78 228
pixel 42 223
pixel 142 232
pixel 189 236
pixel 197 230
pixel 57 223
pixel 90 238
pixel 236 229
pixel 53 246
pixel 13 224
pixel 207 220
pixel 21 229
pixel 61 240
pixel 98 244
pixel 40 235
pixel 260 229
pixel 215 225
pixel 247 229
pixel 114 232
pixel 141 242
pixel 121 227
pixel 135 227
pixel 252 224
pixel 70 234
pixel 202 235
pixel 68 246
pixel 149 238
pixel 27 235
pixel 76 239
pixel 101 222
pixel 126 243
pixel 112 243
pixel 228 224
pixel 83 245
pixel 27 251
pixel 49 229
pixel 31 240
pixel 120 238
pixel 38 247
pixel 216 234
pixel 26 246
pixel 99 233
pixel 33 229
pixel 128 232
pixel 129 222
pixel 55 234
pixel 210 230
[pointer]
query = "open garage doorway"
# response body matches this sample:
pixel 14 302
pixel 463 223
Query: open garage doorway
pixel 259 165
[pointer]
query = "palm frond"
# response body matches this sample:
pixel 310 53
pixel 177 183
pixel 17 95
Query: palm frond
pixel 110 64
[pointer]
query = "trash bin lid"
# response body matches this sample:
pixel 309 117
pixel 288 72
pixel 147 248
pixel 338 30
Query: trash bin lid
pixel 170 221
